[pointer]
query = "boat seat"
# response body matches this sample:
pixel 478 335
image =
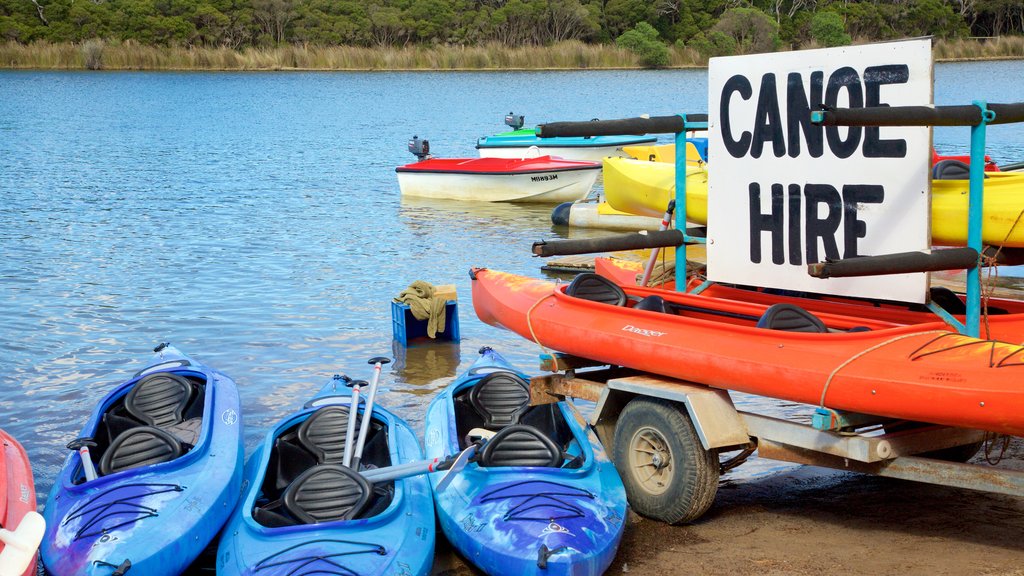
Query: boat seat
pixel 951 170
pixel 521 445
pixel 324 433
pixel 159 399
pixel 590 286
pixel 501 398
pixel 790 318
pixel 327 493
pixel 140 446
pixel 653 303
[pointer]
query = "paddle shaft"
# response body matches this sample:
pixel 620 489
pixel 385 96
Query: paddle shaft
pixel 364 425
pixel 665 220
pixel 353 415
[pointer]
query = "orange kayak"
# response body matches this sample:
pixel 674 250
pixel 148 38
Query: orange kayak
pixel 1005 321
pixel 923 372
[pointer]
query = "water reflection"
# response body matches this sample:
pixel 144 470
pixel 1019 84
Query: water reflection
pixel 421 365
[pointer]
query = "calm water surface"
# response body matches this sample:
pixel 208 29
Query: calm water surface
pixel 254 220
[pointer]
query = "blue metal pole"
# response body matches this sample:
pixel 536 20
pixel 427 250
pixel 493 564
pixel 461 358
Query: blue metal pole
pixel 681 206
pixel 975 202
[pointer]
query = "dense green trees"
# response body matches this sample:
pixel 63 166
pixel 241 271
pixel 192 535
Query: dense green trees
pixel 712 27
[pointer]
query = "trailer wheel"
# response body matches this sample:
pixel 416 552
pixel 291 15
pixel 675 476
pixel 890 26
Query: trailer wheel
pixel 668 475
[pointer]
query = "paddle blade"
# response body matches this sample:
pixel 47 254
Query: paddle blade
pixel 21 544
pixel 457 466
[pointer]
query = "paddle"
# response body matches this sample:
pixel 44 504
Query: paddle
pixel 453 464
pixel 665 220
pixel 353 412
pixel 81 445
pixel 364 426
pixel 20 545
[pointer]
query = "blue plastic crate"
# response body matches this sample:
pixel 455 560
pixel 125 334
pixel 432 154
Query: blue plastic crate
pixel 406 328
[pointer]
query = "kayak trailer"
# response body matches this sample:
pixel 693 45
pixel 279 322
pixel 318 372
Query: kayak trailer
pixel 666 435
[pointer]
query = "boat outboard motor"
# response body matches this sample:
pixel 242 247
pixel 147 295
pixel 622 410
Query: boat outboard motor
pixel 419 148
pixel 514 120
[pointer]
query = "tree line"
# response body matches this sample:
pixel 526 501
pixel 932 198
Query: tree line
pixel 713 27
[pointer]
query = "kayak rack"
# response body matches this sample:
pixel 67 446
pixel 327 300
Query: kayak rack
pixel 860 443
pixel 977 116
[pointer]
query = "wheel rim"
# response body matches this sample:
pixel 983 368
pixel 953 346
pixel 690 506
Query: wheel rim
pixel 650 460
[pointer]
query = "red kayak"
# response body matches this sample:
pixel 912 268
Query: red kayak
pixel 923 372
pixel 17 488
pixel 1005 321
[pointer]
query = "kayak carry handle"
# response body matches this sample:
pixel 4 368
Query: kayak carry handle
pixel 637 126
pixel 964 115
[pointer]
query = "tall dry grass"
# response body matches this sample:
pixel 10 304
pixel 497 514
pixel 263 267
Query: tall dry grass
pixel 1008 47
pixel 110 55
pixel 573 55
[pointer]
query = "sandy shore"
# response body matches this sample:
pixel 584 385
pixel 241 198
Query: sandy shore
pixel 813 521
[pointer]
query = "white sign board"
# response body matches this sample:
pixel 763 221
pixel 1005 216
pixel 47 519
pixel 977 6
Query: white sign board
pixel 783 193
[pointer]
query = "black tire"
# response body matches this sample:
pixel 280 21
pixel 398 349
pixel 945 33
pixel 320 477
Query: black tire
pixel 668 475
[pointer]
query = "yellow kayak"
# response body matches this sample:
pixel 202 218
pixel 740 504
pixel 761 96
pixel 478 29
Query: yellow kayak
pixel 644 188
pixel 662 152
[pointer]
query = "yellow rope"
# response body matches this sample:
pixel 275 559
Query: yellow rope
pixel 828 382
pixel 529 324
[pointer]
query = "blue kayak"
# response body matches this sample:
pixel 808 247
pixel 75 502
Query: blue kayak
pixel 541 497
pixel 304 513
pixel 166 445
pixel 515 144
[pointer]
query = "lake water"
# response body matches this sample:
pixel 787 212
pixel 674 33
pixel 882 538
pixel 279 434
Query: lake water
pixel 254 220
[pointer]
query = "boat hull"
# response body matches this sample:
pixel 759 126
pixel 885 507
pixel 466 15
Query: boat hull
pixel 158 517
pixel 538 179
pixel 923 372
pixel 399 540
pixel 17 489
pixel 644 188
pixel 584 214
pixel 478 510
pixel 516 144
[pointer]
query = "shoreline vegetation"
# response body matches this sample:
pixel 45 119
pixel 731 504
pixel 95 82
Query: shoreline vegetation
pixel 567 55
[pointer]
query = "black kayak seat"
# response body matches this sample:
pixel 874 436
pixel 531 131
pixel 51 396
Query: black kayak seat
pixel 141 446
pixel 327 493
pixel 324 432
pixel 596 288
pixel 951 170
pixel 520 445
pixel 159 399
pixel 653 303
pixel 790 318
pixel 501 398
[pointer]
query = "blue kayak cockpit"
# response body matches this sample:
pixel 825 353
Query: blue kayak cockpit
pixel 519 434
pixel 305 481
pixel 158 420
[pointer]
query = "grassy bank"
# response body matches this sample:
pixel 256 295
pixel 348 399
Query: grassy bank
pixel 96 55
pixel 132 56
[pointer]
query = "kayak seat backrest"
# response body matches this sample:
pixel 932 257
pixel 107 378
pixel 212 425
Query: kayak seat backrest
pixel 327 493
pixel 520 445
pixel 159 399
pixel 790 318
pixel 951 170
pixel 139 446
pixel 590 286
pixel 653 303
pixel 500 398
pixel 324 433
